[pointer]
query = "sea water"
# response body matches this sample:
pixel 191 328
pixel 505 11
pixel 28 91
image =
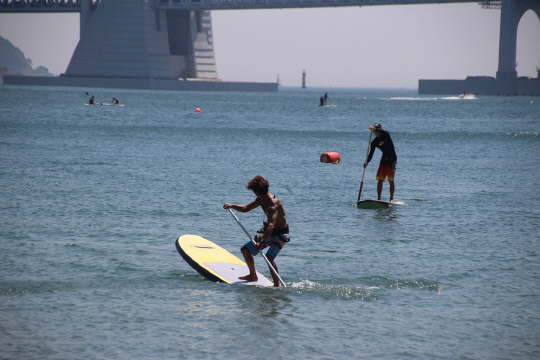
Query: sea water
pixel 92 199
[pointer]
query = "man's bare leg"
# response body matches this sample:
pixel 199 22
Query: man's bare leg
pixel 250 261
pixel 274 277
pixel 392 188
pixel 379 189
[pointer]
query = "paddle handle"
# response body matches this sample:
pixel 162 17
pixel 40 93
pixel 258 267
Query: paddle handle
pixel 253 241
pixel 367 154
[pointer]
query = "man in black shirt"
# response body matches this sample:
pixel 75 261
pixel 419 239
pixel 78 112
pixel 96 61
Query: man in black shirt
pixel 387 166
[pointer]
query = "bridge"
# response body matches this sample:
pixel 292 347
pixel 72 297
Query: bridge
pixel 169 44
pixel 75 5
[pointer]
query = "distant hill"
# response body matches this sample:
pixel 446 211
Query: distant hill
pixel 13 62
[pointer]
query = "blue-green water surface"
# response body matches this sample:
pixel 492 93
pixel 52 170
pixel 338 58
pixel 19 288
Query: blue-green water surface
pixel 92 199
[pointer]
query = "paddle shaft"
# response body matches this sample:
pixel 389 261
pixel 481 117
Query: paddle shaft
pixel 367 154
pixel 253 241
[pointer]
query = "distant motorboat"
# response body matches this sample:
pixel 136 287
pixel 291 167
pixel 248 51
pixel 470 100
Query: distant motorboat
pixel 467 95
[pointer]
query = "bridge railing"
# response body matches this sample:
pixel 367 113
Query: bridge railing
pixel 43 5
pixel 490 4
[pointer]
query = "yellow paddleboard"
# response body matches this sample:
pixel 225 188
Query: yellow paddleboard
pixel 214 262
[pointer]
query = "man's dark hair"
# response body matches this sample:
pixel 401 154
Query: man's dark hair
pixel 258 184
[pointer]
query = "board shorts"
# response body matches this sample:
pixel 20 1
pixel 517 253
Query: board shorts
pixel 386 171
pixel 276 244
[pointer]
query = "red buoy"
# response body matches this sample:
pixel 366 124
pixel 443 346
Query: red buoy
pixel 330 157
pixel 197 110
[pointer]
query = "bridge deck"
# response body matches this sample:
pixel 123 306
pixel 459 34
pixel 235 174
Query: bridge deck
pixel 75 5
pixel 283 4
pixel 43 6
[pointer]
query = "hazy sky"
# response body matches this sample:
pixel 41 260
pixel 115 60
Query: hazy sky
pixel 371 46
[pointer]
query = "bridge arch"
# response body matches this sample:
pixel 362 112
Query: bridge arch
pixel 528 47
pixel 511 13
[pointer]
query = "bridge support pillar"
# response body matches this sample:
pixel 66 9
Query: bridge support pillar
pixel 84 16
pixel 507 81
pixel 133 39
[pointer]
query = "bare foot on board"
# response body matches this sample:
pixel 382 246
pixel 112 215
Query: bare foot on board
pixel 249 278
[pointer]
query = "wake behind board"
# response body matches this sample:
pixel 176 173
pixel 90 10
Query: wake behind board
pixel 215 263
pixel 377 204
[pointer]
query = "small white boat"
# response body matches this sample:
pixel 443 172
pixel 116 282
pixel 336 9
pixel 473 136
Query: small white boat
pixel 467 95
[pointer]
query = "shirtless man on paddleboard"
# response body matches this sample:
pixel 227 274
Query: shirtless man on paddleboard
pixel 275 234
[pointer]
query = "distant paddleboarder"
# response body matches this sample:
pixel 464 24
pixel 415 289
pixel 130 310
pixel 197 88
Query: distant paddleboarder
pixel 387 166
pixel 322 101
pixel 325 97
pixel 274 234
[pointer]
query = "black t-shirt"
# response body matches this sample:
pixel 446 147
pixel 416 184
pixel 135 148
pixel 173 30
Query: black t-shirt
pixel 385 144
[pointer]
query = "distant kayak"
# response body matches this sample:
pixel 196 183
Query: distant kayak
pixel 103 104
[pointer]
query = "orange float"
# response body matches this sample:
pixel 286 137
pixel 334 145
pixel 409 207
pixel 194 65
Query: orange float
pixel 330 157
